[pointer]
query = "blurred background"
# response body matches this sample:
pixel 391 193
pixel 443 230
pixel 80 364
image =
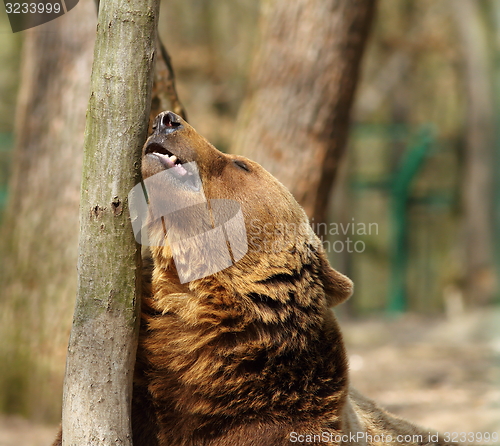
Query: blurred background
pixel 410 197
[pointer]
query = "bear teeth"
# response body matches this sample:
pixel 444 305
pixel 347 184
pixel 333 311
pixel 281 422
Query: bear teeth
pixel 173 162
pixel 169 161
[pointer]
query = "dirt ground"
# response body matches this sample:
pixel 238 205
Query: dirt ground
pixel 15 431
pixel 444 374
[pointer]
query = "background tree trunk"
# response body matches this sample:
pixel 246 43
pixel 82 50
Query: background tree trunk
pixel 295 118
pixel 39 234
pixel 478 185
pixel 101 354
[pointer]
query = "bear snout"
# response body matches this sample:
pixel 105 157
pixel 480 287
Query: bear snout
pixel 167 122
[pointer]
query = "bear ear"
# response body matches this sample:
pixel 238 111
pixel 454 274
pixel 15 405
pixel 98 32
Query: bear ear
pixel 338 288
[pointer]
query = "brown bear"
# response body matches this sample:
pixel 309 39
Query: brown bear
pixel 251 353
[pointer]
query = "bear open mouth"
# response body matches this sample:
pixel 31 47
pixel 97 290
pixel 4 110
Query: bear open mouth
pixel 180 169
pixel 168 159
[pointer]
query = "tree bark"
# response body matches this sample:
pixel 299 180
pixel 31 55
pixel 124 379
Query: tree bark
pixel 295 118
pixel 101 354
pixel 39 233
pixel 478 184
pixel 164 89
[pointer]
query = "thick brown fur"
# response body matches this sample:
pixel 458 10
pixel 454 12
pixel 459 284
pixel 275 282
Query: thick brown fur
pixel 251 355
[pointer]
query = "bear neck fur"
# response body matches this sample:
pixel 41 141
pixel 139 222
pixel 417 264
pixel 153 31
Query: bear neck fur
pixel 261 328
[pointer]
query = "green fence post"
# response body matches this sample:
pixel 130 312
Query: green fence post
pixel 400 192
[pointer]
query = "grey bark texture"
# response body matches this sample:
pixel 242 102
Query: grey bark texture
pixel 295 118
pixel 478 183
pixel 101 353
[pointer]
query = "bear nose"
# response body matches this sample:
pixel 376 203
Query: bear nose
pixel 167 122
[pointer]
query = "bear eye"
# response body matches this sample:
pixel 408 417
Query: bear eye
pixel 242 165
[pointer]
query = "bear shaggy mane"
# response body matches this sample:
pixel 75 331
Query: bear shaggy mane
pixel 251 355
pixel 253 348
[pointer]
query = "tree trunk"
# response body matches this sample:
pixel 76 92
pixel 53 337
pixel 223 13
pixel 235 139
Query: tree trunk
pixel 164 96
pixel 478 182
pixel 295 118
pixel 40 230
pixel 101 354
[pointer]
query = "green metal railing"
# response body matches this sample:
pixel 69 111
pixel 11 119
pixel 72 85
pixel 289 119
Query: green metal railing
pixel 397 186
pixel 400 191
